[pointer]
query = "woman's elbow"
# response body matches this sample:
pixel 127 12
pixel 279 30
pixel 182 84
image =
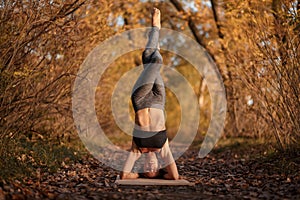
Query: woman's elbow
pixel 175 177
pixel 171 176
pixel 122 175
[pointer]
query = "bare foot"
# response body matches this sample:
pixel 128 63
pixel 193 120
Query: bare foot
pixel 156 17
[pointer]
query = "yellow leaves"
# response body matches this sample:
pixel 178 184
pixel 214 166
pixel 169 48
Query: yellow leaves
pixel 22 73
pixel 254 20
pixel 19 73
pixel 210 43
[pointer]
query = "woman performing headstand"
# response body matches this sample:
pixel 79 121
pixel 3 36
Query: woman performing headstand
pixel 148 99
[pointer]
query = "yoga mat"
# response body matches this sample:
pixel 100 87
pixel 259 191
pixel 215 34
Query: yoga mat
pixel 147 181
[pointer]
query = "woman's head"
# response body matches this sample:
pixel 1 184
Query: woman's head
pixel 151 165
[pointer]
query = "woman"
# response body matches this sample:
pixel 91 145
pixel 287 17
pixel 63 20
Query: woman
pixel 148 99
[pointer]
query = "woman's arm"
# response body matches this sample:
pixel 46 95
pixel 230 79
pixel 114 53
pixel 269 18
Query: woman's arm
pixel 172 172
pixel 129 163
pixel 166 154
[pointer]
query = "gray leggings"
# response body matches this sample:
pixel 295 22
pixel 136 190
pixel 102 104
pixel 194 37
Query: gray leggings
pixel 149 90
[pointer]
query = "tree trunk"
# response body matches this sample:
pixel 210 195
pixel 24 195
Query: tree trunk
pixel 192 26
pixel 232 120
pixel 229 88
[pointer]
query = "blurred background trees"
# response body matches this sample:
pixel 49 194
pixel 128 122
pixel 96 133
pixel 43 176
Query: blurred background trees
pixel 255 45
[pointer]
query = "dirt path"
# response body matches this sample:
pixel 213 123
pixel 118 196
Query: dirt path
pixel 221 175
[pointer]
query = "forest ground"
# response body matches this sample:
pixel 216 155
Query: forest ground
pixel 235 170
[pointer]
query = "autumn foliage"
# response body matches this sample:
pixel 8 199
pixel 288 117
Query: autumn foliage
pixel 255 45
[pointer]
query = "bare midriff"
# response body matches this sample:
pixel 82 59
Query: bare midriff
pixel 150 119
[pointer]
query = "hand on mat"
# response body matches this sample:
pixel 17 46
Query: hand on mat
pixel 126 175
